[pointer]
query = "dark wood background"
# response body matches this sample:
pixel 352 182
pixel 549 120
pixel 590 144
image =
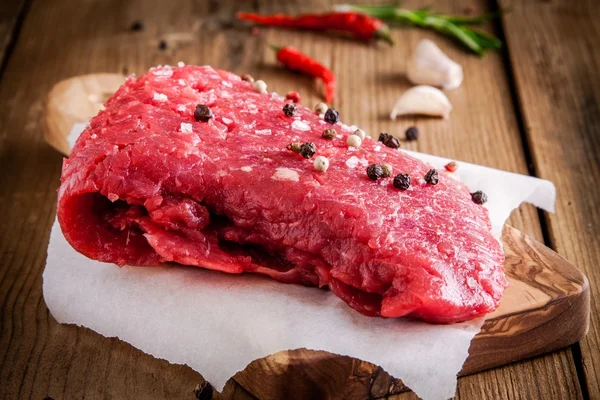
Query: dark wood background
pixel 532 108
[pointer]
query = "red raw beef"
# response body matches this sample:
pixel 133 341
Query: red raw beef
pixel 142 187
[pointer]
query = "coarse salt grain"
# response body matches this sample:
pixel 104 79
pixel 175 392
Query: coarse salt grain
pixel 181 107
pixel 181 82
pixel 160 97
pixel 113 197
pixel 300 126
pixel 352 162
pixel 180 64
pixel 285 174
pixel 265 132
pixel 225 83
pixel 226 120
pixel 163 72
pixel 185 127
pixel 377 148
pixel 246 168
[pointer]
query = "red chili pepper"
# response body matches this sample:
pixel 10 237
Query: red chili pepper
pixel 295 60
pixel 361 26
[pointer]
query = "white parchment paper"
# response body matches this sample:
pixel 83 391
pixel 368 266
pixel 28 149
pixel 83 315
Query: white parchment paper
pixel 218 323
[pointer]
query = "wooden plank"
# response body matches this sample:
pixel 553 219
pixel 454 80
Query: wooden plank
pixel 39 357
pixel 11 12
pixel 555 54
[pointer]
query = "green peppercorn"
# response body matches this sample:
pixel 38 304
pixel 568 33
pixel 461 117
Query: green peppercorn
pixel 329 133
pixel 308 149
pixel 479 197
pixel 290 109
pixel 295 147
pixel 247 78
pixel 402 181
pixel 202 113
pixel 374 172
pixel 431 177
pixel 387 170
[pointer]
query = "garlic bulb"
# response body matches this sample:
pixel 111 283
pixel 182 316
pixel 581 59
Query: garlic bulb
pixel 430 66
pixel 423 100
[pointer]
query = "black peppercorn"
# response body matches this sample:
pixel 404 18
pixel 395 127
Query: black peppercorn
pixel 374 172
pixel 431 177
pixel 162 45
pixel 202 113
pixel 383 137
pixel 332 116
pixel 412 133
pixel 402 181
pixel 289 109
pixel 308 149
pixel 329 133
pixel 392 142
pixel 479 197
pixel 137 26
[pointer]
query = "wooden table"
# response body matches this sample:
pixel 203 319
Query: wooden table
pixel 531 109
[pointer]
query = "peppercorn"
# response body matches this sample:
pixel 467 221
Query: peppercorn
pixel 451 166
pixel 137 26
pixel 392 142
pixel 412 133
pixel 360 133
pixel 295 147
pixel 329 133
pixel 479 197
pixel 202 113
pixel 260 86
pixel 308 149
pixel 293 96
pixel 289 109
pixel 387 170
pixel 247 78
pixel 321 163
pixel 383 137
pixel 374 172
pixel 431 177
pixel 162 45
pixel 402 181
pixel 354 141
pixel 332 116
pixel 321 108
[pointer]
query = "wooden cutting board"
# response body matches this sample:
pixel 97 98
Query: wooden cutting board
pixel 546 306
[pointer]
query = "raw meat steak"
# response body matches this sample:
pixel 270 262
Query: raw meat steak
pixel 146 183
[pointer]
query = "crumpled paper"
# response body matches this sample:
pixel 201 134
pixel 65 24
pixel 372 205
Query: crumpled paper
pixel 218 323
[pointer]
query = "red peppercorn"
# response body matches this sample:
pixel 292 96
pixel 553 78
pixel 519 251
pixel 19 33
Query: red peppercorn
pixel 294 97
pixel 451 166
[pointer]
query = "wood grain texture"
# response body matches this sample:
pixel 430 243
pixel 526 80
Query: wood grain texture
pixel 39 357
pixel 10 14
pixel 557 80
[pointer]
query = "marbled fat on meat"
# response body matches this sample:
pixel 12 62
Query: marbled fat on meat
pixel 227 195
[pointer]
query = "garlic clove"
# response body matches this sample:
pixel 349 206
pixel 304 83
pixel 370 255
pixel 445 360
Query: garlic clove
pixel 430 66
pixel 423 100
